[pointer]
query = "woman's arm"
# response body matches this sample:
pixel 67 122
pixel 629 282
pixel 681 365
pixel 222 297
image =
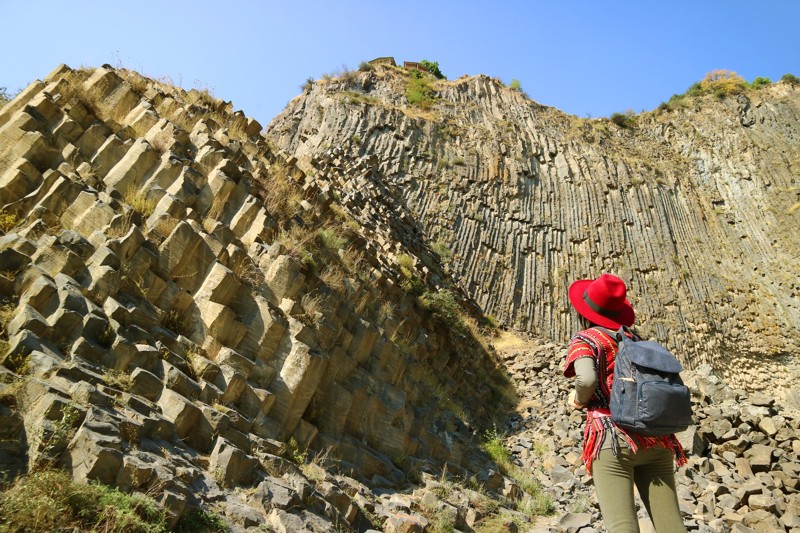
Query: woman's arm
pixel 585 379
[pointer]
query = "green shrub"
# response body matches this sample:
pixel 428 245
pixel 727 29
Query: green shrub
pixel 406 263
pixel 695 89
pixel 308 85
pixel 433 68
pixel 495 447
pixel 442 249
pixel 330 239
pixel 790 79
pixel 760 82
pixel 624 120
pixel 414 286
pixel 443 305
pixel 49 500
pixel 419 91
pixel 515 85
pixel 365 66
pixel 537 505
pixel 294 453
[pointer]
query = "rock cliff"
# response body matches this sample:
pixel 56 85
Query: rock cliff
pixel 695 204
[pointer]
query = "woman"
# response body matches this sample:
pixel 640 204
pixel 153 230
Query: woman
pixel 617 459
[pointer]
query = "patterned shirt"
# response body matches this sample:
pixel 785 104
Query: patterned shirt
pixel 588 343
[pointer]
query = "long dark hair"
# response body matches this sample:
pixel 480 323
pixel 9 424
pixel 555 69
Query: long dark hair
pixel 584 322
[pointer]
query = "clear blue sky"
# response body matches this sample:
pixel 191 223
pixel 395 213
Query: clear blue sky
pixel 584 57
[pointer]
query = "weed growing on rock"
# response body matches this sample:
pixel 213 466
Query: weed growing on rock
pixel 330 239
pixel 201 520
pixel 139 201
pixel 334 278
pixel 121 225
pixel 515 85
pixel 535 502
pixel 441 520
pixel 294 453
pixel 386 311
pixel 118 380
pixel 8 221
pixel 175 321
pixel 298 241
pixel 245 269
pixel 721 83
pixel 495 447
pixel 16 362
pixel 500 523
pixel 412 284
pixel 442 249
pixel 50 442
pixel 312 309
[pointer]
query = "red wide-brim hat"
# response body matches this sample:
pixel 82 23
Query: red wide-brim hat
pixel 602 301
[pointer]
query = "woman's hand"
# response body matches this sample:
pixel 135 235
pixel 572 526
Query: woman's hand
pixel 572 402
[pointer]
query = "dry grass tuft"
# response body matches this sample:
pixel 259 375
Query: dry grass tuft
pixel 139 201
pixel 312 309
pixel 246 270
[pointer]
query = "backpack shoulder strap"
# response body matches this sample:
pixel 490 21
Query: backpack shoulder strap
pixel 610 332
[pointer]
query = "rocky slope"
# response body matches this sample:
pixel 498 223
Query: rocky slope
pixel 696 205
pixel 182 304
pixel 743 472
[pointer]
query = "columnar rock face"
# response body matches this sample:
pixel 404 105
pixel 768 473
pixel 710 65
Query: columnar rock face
pixel 174 288
pixel 696 206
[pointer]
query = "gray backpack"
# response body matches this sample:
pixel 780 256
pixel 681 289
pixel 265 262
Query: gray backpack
pixel 648 396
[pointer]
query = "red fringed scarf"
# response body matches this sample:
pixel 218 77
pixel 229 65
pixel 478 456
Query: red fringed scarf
pixel 588 343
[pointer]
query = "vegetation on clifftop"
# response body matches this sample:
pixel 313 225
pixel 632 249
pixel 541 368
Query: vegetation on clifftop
pixel 5 97
pixel 722 83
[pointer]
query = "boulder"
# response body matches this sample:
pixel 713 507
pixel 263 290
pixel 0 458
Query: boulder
pixel 230 465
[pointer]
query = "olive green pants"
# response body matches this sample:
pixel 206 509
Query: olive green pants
pixel 653 472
